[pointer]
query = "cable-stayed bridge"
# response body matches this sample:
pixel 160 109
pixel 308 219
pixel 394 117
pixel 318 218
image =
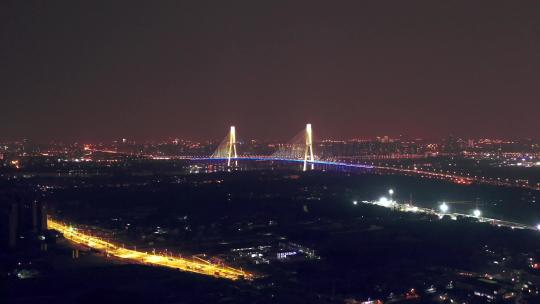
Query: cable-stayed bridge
pixel 298 149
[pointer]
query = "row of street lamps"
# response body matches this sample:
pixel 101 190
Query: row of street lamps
pixel 443 207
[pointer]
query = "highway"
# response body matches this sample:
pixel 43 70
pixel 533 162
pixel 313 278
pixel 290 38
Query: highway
pixel 184 264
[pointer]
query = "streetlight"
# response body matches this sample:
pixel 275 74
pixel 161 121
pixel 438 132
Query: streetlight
pixel 383 201
pixel 391 192
pixel 477 212
pixel 444 207
pixel 355 203
pixel 538 226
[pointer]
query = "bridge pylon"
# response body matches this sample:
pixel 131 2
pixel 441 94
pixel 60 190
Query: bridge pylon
pixel 308 152
pixel 231 146
pixel 227 148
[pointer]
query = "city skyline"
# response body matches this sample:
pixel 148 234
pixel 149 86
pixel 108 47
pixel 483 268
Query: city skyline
pixel 94 72
pixel 245 140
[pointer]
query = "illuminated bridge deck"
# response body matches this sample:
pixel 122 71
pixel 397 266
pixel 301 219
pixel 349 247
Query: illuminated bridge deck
pixel 184 264
pixel 455 178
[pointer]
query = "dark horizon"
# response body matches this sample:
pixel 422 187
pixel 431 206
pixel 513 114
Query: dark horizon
pixel 101 71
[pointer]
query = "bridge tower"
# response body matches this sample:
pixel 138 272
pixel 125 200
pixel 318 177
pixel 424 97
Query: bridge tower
pixel 308 152
pixel 231 146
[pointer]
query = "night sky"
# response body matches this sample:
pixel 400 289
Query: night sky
pixel 98 71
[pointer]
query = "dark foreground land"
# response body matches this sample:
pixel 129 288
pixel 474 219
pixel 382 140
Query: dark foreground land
pixel 299 231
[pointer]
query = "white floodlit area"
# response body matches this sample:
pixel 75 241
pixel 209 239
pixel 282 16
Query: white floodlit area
pixel 385 202
pixel 444 210
pixel 444 207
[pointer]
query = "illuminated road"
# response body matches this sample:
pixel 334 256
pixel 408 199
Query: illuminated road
pixel 453 215
pixel 263 158
pixel 198 266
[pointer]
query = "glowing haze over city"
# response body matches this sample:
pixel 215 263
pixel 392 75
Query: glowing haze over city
pixel 99 71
